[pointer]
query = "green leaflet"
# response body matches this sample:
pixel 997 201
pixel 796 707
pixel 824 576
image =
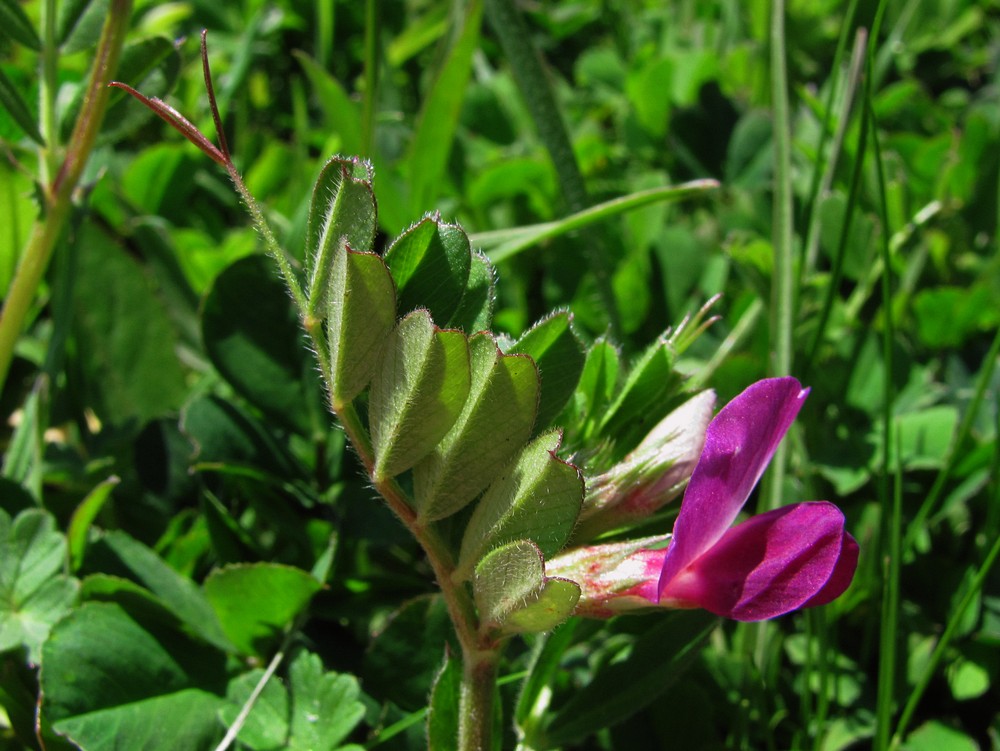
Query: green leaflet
pixel 513 594
pixel 537 498
pixel 430 263
pixel 475 311
pixel 558 353
pixel 551 605
pixel 254 339
pixel 418 392
pixel 34 594
pixel 494 424
pixel 361 314
pixel 342 212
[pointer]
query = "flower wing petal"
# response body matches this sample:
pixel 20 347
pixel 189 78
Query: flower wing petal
pixel 842 574
pixel 739 443
pixel 770 564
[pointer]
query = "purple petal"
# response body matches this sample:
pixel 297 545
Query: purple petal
pixel 738 445
pixel 842 574
pixel 771 564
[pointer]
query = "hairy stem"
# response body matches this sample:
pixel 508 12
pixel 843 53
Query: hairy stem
pixel 475 709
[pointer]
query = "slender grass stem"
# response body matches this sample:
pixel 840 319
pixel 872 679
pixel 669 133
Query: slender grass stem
pixel 371 79
pixel 532 80
pixel 59 191
pixel 48 84
pixel 782 289
pixel 891 498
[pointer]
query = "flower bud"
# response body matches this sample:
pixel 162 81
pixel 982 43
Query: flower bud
pixel 652 475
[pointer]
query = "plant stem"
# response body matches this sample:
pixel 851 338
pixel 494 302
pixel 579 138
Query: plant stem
pixel 475 709
pixel 58 192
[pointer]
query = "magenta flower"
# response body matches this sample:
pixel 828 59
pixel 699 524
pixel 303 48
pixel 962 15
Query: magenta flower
pixel 793 557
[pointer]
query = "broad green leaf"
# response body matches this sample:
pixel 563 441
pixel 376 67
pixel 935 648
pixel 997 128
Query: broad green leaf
pixel 78 24
pixel 15 24
pixel 190 715
pixel 558 353
pixel 499 245
pixel 33 593
pixel 545 666
pixel 430 263
pixel 342 212
pixel 266 727
pixel 649 393
pixel 109 682
pixel 256 603
pixel 405 655
pixel 621 688
pixel 439 115
pixel 968 679
pixel 935 735
pixel 475 311
pixel 925 436
pixel 361 315
pixel 537 498
pixel 131 372
pixel 506 578
pixel 20 211
pixel 341 112
pixel 418 392
pixel 133 598
pixel 442 712
pixel 83 517
pixel 226 435
pixel 326 706
pixel 253 337
pixel 14 103
pixel 180 593
pixel 494 424
pixel 550 607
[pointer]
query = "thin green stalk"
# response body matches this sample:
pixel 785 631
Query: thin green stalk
pixel 823 178
pixel 782 290
pixel 325 20
pixel 891 499
pixel 371 79
pixel 59 192
pixel 783 300
pixel 48 85
pixel 836 272
pixel 533 82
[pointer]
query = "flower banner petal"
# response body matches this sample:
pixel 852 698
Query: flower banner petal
pixel 769 565
pixel 738 446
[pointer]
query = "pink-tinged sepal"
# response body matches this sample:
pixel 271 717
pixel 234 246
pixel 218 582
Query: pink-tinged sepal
pixel 615 577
